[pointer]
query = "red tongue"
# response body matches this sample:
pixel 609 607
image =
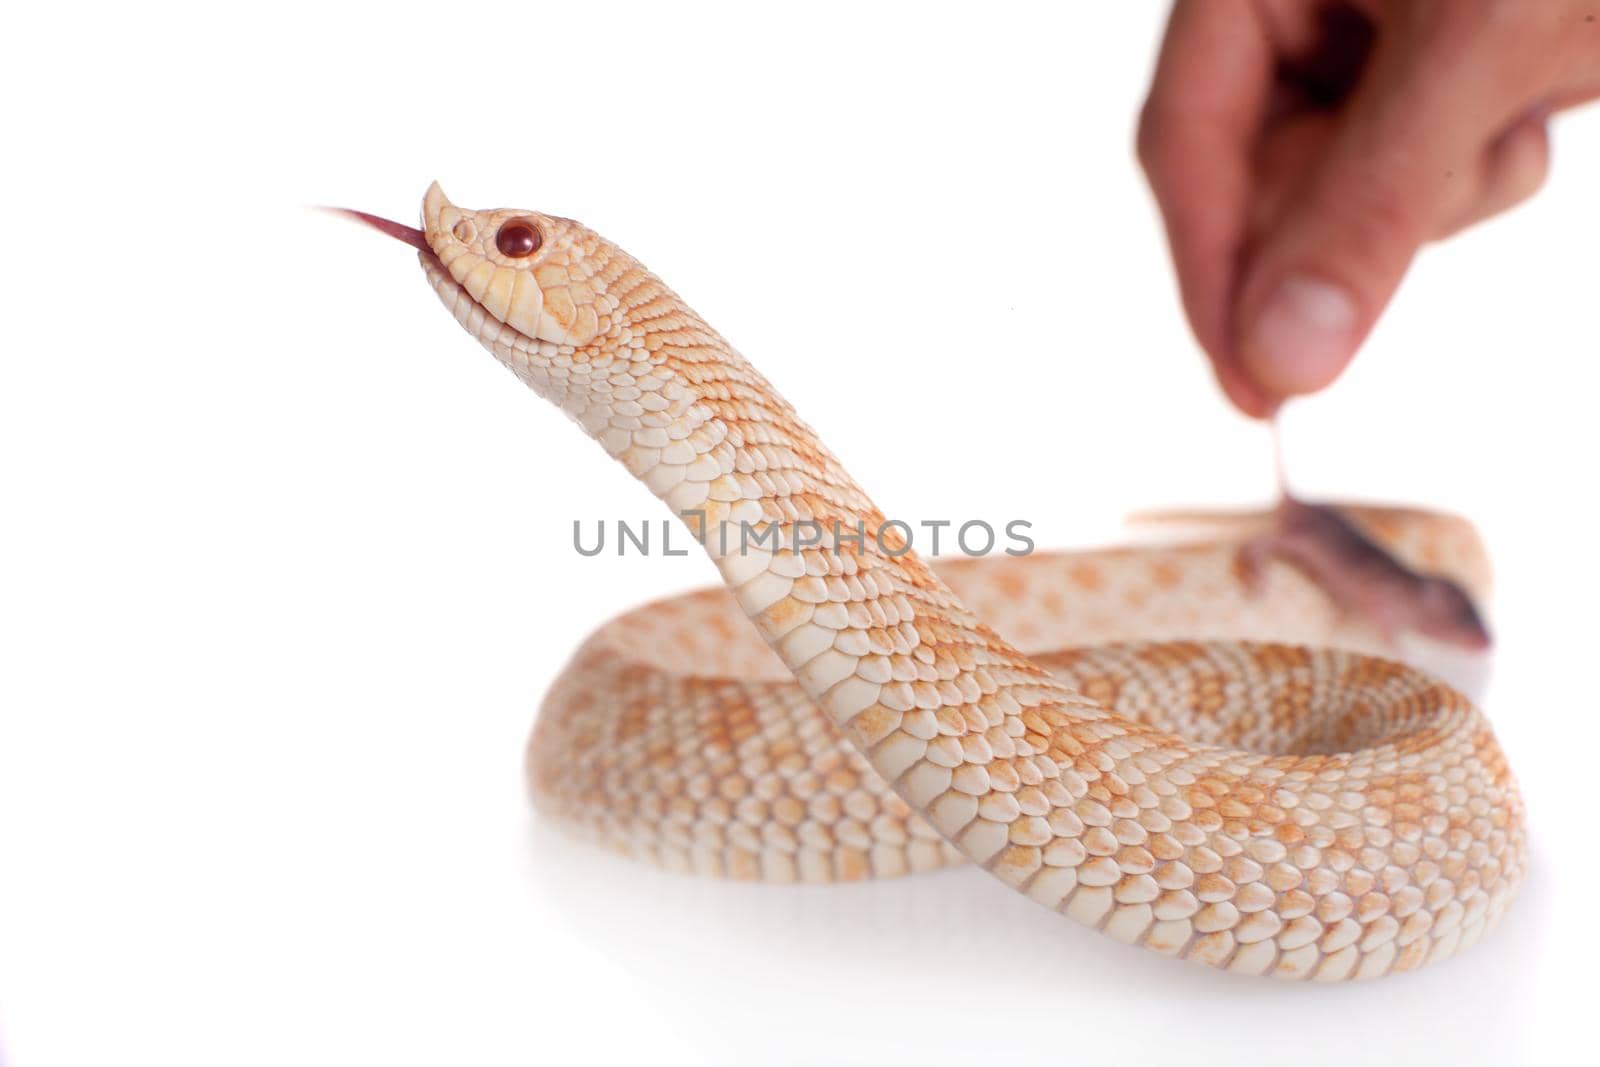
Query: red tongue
pixel 398 231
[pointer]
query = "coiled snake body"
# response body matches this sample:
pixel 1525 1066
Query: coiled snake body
pixel 1268 808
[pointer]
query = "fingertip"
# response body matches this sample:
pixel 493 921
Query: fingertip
pixel 1244 394
pixel 1300 337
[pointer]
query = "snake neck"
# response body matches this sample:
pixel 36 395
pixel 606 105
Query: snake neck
pixel 905 670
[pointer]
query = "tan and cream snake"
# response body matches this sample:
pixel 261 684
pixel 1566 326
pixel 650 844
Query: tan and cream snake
pixel 1174 774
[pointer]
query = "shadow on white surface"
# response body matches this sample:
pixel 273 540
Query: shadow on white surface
pixel 955 968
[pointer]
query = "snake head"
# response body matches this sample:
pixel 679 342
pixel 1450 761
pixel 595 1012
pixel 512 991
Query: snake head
pixel 540 275
pixel 570 313
pixel 531 272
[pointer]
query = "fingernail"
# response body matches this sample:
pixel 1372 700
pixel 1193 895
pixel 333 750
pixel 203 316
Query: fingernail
pixel 1303 336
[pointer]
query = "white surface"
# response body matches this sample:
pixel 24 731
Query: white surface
pixel 287 563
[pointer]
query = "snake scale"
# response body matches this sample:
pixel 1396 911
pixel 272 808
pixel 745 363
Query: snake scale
pixel 1181 773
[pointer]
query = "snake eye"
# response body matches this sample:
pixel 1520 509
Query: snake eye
pixel 518 238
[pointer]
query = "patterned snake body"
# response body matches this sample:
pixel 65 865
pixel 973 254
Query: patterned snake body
pixel 1267 808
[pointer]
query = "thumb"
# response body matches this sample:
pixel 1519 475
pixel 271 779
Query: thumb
pixel 1320 274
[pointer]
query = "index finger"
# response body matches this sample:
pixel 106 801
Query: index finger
pixel 1196 136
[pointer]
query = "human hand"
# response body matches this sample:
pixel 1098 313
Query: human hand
pixel 1301 152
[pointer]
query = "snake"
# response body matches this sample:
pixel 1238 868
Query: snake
pixel 1235 774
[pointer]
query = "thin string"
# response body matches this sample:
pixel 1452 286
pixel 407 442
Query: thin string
pixel 1277 457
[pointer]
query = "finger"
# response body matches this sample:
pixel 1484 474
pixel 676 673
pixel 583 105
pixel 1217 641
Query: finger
pixel 1282 156
pixel 1514 167
pixel 1195 136
pixel 1319 277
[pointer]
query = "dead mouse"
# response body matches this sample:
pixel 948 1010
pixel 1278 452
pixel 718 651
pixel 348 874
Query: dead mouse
pixel 1363 578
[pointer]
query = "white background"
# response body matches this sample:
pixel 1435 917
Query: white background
pixel 287 564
